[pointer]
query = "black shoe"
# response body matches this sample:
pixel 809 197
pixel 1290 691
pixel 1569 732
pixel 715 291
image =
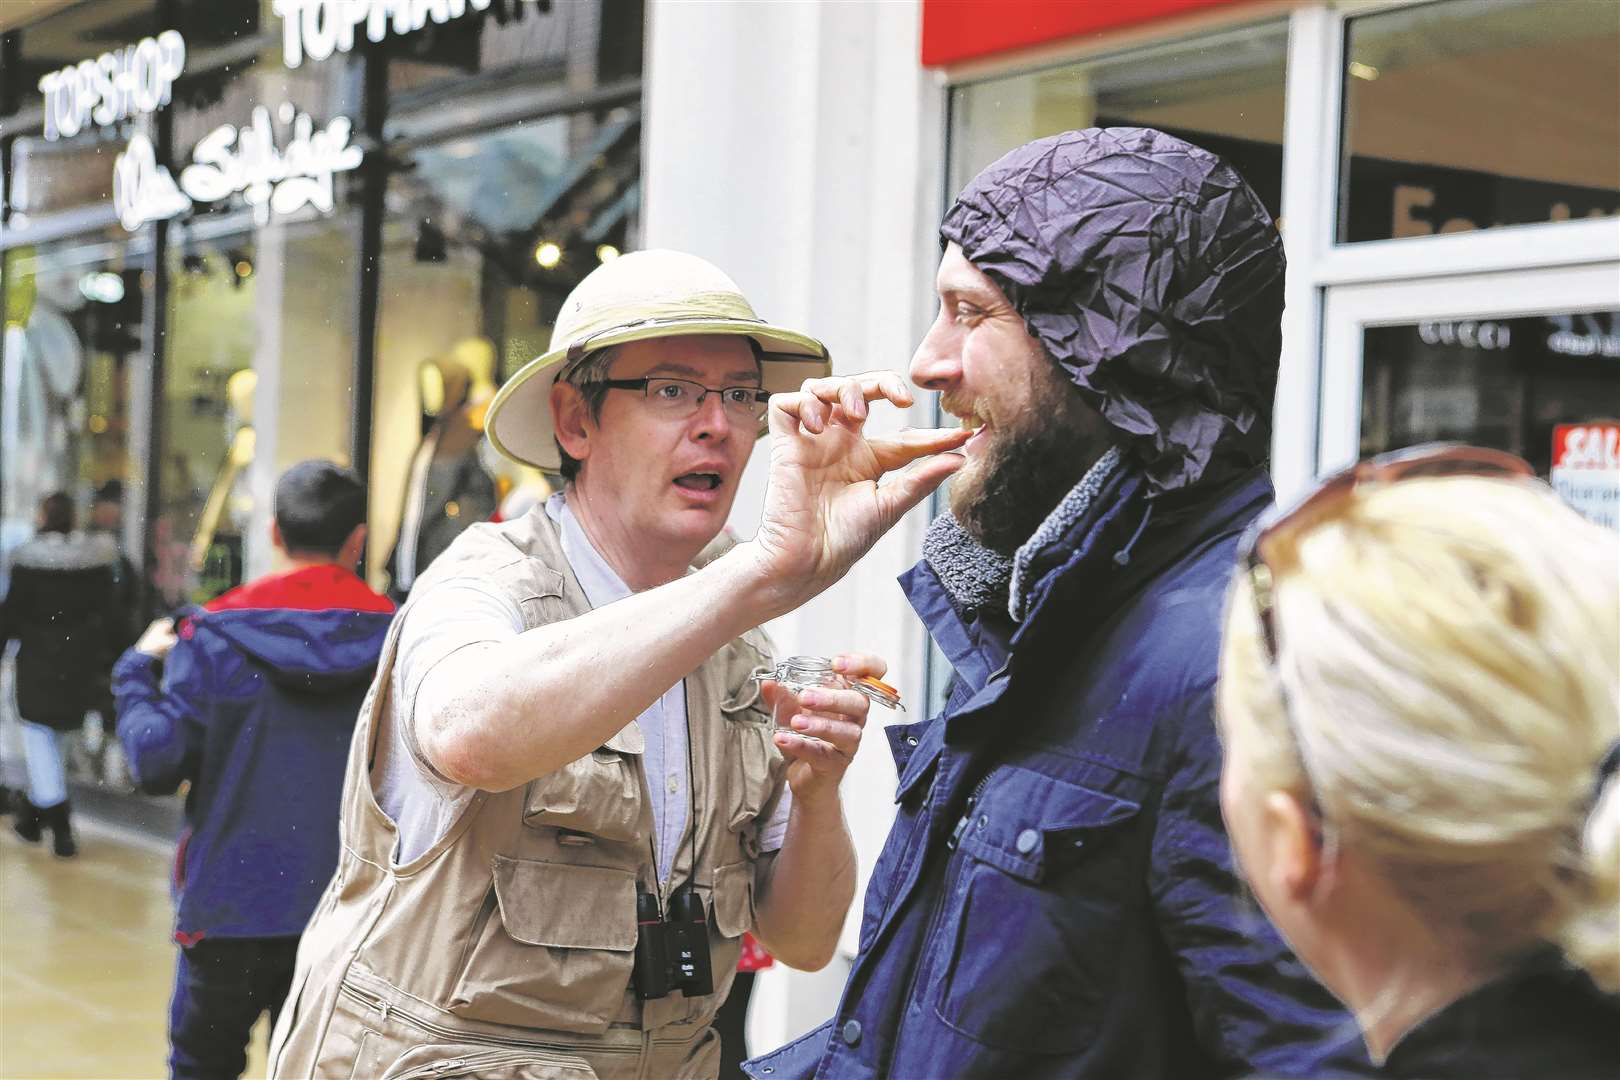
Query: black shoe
pixel 57 818
pixel 27 824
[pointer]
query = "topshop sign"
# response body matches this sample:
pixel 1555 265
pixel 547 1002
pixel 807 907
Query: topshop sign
pixel 133 81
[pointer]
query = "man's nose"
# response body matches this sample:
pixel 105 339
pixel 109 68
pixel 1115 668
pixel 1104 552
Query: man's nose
pixel 711 421
pixel 937 364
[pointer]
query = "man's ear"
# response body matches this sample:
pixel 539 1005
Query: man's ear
pixel 571 420
pixel 1298 863
pixel 276 539
pixel 349 553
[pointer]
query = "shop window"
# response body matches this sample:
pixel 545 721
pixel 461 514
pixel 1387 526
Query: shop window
pixel 1223 92
pixel 1501 382
pixel 257 376
pixel 70 164
pixel 73 339
pixel 583 43
pixel 484 236
pixel 1470 114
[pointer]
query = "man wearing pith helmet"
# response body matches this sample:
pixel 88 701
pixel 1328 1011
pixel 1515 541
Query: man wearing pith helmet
pixel 567 797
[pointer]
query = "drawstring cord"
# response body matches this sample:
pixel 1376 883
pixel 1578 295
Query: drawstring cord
pixel 1122 557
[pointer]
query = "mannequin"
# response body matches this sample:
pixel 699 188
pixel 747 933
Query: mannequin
pixel 449 487
pixel 239 390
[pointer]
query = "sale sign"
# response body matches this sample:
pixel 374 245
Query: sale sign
pixel 1586 469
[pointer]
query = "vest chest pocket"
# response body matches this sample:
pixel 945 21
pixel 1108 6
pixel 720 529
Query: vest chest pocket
pixel 599 793
pixel 748 778
pixel 555 951
pixel 1035 912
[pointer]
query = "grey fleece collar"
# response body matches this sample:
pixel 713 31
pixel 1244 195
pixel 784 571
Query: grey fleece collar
pixel 975 577
pixel 1058 522
pixel 979 579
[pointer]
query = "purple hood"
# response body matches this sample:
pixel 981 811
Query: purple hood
pixel 1152 273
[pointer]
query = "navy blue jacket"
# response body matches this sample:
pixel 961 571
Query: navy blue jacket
pixel 1057 897
pixel 256 708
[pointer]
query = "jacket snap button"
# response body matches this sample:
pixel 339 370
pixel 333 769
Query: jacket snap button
pixel 851 1033
pixel 1027 841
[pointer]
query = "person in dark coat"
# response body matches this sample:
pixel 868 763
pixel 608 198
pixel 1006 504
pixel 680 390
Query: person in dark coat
pixel 60 612
pixel 1057 897
pixel 1420 708
pixel 256 706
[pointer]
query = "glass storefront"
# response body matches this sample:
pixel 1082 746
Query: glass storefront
pixel 1222 91
pixel 1469 114
pixel 246 258
pixel 486 234
pixel 74 336
pixel 1505 383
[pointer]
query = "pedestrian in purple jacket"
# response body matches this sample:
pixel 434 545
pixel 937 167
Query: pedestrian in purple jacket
pixel 252 701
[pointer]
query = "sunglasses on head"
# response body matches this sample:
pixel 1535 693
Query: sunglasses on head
pixel 1330 495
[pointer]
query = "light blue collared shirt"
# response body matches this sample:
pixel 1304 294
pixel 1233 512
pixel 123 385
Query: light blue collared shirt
pixel 664 724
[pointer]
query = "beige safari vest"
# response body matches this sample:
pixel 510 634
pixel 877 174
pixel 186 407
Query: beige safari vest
pixel 505 950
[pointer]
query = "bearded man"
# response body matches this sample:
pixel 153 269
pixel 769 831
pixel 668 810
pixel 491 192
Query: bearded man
pixel 1057 897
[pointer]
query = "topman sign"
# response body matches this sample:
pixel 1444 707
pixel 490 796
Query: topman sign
pixel 318 28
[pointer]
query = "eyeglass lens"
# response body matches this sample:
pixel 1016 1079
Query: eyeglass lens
pixel 683 397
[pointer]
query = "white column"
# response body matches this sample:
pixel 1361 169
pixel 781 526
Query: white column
pixel 809 166
pixel 1310 169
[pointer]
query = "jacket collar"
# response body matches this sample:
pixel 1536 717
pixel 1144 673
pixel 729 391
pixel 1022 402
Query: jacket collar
pixel 1107 554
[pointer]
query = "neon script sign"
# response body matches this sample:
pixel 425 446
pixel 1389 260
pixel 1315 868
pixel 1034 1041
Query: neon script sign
pixel 230 160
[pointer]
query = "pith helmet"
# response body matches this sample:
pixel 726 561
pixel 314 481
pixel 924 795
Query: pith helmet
pixel 636 297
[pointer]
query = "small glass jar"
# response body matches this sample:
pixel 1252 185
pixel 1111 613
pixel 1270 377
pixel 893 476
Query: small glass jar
pixel 802 672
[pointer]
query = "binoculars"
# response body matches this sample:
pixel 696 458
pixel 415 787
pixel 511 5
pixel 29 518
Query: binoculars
pixel 672 953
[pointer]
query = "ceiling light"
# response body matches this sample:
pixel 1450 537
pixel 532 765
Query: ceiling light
pixel 548 255
pixel 606 253
pixel 1363 71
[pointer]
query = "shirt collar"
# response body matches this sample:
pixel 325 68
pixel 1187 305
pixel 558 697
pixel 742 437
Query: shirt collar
pixel 602 586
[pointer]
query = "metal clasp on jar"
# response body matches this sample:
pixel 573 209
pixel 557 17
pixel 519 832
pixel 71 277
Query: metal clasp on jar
pixel 802 672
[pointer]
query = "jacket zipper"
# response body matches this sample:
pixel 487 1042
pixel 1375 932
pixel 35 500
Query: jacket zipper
pixel 967 814
pixel 386 1009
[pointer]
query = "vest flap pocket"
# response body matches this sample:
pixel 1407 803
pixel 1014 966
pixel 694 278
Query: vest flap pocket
pixel 566 906
pixel 629 740
pixel 598 794
pixel 734 899
pixel 1024 820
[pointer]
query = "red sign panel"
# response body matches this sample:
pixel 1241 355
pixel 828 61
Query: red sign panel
pixel 956 30
pixel 1587 446
pixel 1586 469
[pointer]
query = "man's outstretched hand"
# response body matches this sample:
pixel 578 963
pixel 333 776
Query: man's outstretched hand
pixel 833 491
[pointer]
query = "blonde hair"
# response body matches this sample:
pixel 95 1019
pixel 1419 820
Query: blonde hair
pixel 1448 680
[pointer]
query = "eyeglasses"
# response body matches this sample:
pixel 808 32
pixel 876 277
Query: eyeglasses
pixel 680 398
pixel 1260 551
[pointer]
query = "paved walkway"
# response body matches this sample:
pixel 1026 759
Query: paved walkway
pixel 86 958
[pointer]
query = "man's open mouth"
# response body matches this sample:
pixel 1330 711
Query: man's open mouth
pixel 698 481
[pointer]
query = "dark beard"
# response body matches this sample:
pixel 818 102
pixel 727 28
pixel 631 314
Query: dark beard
pixel 1029 466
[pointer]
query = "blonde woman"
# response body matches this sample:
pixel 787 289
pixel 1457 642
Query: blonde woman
pixel 1420 704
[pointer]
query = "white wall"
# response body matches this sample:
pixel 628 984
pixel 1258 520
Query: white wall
pixel 799 147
